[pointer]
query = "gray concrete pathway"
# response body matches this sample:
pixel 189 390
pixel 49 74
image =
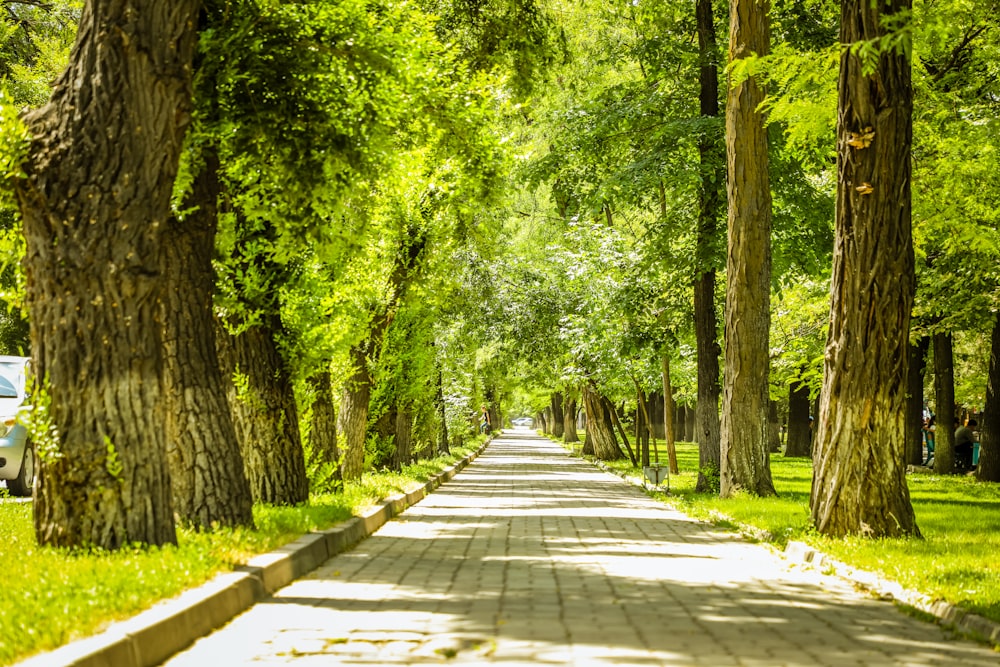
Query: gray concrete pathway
pixel 531 557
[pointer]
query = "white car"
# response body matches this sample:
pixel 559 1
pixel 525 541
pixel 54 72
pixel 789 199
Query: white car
pixel 523 421
pixel 17 457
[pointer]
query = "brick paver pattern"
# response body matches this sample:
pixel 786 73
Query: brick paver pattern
pixel 533 557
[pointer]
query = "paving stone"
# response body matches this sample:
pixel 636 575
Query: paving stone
pixel 531 557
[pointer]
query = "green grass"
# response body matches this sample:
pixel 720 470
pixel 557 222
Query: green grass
pixel 51 596
pixel 958 517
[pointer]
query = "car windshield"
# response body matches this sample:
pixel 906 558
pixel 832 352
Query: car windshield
pixel 7 388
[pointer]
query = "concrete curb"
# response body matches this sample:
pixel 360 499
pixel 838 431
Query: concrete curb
pixel 152 636
pixel 945 613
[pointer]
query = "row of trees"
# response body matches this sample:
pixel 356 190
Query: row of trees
pixel 270 245
pixel 245 230
pixel 626 157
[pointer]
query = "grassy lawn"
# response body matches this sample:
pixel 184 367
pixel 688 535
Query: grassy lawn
pixel 51 596
pixel 960 520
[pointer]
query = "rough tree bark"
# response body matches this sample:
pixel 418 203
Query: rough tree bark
pixel 859 478
pixel 798 442
pixel 556 410
pixel 265 415
pixel 599 426
pixel 95 200
pixel 989 434
pixel 944 402
pixel 915 401
pixel 323 448
pixel 569 419
pixel 206 466
pixel 745 461
pixel 403 430
pixel 710 205
pixel 352 418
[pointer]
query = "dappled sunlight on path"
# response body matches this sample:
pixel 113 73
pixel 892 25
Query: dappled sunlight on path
pixel 532 557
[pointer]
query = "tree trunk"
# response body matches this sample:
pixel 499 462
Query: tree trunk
pixel 323 450
pixel 680 417
pixel 944 401
pixel 690 428
pixel 710 206
pixel 656 417
pixel 989 434
pixel 547 422
pixel 206 467
pixel 859 479
pixel 915 402
pixel 95 200
pixel 262 401
pixel 352 421
pixel 442 441
pixel 569 420
pixel 773 437
pixel 557 414
pixel 668 417
pixel 800 429
pixel 599 426
pixel 615 422
pixel 745 460
pixel 642 427
pixel 403 451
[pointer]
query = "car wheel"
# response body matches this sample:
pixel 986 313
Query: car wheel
pixel 25 480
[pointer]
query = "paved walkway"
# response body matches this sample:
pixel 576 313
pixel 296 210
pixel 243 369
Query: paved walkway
pixel 530 557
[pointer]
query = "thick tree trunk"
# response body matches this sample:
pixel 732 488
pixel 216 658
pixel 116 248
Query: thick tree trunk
pixel 668 418
pixel 95 200
pixel 599 426
pixel 745 461
pixel 989 434
pixel 206 466
pixel 352 420
pixel 710 205
pixel 264 413
pixel 800 429
pixel 859 478
pixel 944 401
pixel 323 450
pixel 915 402
pixel 547 425
pixel 569 420
pixel 403 451
pixel 558 419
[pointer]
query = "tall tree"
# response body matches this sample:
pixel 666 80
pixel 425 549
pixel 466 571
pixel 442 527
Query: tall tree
pixel 206 466
pixel 95 201
pixel 745 461
pixel 859 479
pixel 710 204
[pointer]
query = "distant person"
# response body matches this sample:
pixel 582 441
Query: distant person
pixel 964 439
pixel 485 426
pixel 929 426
